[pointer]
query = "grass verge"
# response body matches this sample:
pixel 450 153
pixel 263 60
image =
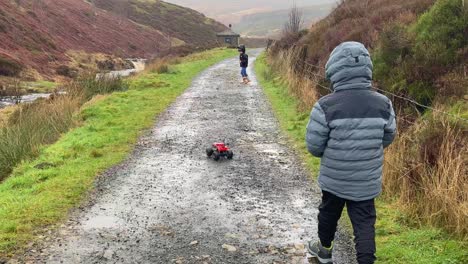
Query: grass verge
pixel 398 241
pixel 31 126
pixel 39 193
pixel 40 86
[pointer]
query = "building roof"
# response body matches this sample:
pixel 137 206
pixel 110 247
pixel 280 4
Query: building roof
pixel 228 33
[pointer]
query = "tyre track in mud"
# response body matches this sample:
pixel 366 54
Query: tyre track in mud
pixel 169 203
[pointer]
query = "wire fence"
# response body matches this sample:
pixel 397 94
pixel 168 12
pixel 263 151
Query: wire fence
pixel 410 100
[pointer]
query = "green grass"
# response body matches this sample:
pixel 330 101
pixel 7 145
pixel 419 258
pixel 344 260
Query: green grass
pixel 40 86
pixel 286 110
pixel 36 197
pixel 398 240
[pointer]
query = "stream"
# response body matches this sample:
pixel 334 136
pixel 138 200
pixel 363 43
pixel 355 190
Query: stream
pixel 28 98
pixel 139 65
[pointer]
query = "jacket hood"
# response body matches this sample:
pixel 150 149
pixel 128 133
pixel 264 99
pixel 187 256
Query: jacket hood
pixel 350 67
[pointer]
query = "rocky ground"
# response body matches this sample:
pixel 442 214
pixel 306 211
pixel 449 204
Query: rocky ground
pixel 169 203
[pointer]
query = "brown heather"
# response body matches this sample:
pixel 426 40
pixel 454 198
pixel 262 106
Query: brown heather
pixel 425 169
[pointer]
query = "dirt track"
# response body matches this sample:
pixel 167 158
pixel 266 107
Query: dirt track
pixel 168 203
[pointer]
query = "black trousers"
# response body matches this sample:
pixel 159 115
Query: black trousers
pixel 362 215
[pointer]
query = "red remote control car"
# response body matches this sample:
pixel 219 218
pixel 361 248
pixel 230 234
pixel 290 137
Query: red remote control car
pixel 218 150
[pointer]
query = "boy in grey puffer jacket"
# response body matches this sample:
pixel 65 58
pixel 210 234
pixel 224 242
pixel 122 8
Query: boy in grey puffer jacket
pixel 349 130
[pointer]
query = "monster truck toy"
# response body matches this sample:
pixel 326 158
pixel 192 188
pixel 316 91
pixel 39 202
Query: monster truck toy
pixel 218 150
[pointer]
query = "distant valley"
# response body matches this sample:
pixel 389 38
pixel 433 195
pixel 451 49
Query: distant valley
pixel 270 24
pixel 231 12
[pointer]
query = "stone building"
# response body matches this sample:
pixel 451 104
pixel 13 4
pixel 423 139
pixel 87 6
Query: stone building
pixel 228 38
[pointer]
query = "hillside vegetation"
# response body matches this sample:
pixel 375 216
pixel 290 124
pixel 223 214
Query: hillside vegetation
pixel 420 50
pixel 180 23
pixel 37 36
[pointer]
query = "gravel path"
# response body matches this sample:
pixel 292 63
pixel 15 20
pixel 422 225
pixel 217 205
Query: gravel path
pixel 169 203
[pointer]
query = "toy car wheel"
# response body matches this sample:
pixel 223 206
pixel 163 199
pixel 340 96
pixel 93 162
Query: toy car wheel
pixel 216 155
pixel 209 152
pixel 230 154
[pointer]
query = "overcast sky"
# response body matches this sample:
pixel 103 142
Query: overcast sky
pixel 219 9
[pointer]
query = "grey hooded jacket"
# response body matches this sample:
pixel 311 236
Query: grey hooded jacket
pixel 350 128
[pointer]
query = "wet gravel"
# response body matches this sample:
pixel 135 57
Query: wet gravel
pixel 169 203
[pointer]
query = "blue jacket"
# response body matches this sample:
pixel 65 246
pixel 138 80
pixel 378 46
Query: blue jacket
pixel 350 128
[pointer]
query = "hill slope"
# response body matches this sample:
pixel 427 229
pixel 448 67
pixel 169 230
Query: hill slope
pixel 37 34
pixel 186 24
